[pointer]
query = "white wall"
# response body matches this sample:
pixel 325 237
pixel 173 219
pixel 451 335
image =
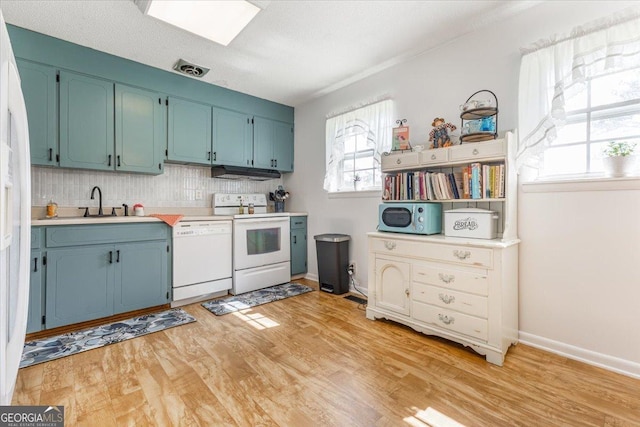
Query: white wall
pixel 576 295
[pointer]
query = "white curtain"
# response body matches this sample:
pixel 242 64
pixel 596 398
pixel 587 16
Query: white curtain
pixel 378 118
pixel 554 71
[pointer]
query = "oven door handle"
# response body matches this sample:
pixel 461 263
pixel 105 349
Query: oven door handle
pixel 260 220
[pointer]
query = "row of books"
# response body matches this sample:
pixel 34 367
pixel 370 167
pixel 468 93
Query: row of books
pixel 474 181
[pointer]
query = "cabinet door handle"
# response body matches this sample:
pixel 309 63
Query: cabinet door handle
pixel 446 278
pixel 209 155
pixel 406 291
pixel 215 155
pixel 461 254
pixel 50 154
pixel 295 240
pixel 389 245
pixel 110 257
pixel 447 320
pixel 118 159
pixel 118 255
pixel 475 152
pixel 35 266
pixel 109 164
pixel 447 299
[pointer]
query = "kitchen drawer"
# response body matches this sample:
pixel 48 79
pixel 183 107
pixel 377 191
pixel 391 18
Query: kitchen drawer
pixel 400 161
pixel 459 301
pixel 450 320
pixel 478 150
pixel 298 222
pixel 479 257
pixel 437 155
pixel 36 237
pixel 396 247
pixel 470 280
pixel 61 236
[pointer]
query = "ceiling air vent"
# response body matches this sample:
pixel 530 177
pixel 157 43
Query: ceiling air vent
pixel 190 69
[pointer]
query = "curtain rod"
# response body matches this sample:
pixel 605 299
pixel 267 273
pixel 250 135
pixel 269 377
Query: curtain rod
pixel 620 17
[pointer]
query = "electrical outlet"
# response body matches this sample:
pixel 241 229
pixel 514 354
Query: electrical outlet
pixel 198 194
pixel 352 267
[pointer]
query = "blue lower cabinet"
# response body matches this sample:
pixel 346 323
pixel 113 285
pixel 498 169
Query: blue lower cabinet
pixel 96 271
pixel 298 245
pixel 79 284
pixel 36 282
pixel 141 276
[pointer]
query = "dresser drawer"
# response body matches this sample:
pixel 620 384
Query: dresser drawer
pixel 436 155
pixel 475 282
pixel 298 222
pixel 450 320
pixel 460 301
pixel 399 161
pixel 478 151
pixel 463 255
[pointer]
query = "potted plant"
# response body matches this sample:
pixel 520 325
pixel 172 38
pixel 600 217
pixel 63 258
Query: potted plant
pixel 619 158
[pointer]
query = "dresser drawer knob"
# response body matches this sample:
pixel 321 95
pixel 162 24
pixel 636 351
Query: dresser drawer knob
pixel 389 245
pixel 398 161
pixel 447 320
pixel 446 278
pixel 475 152
pixel 461 254
pixel 433 157
pixel 447 299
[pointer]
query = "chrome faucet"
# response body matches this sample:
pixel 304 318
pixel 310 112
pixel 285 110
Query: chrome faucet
pixel 93 190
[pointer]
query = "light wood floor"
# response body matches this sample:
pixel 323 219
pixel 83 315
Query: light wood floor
pixel 315 360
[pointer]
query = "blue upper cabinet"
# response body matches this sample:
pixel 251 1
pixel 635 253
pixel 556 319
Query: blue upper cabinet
pixel 272 144
pixel 86 122
pixel 232 138
pixel 141 124
pixel 41 99
pixel 189 133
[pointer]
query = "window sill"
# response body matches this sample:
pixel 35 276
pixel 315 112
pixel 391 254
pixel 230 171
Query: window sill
pixel 355 194
pixel 582 184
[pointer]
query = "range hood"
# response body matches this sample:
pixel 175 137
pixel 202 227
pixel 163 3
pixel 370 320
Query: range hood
pixel 237 172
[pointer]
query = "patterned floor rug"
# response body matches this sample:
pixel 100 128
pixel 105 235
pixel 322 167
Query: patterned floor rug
pixel 252 299
pixel 46 349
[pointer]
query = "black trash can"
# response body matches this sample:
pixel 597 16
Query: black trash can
pixel 333 262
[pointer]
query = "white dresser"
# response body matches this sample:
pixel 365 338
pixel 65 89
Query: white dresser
pixel 461 289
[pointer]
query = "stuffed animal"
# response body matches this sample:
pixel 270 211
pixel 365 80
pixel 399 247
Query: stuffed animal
pixel 439 135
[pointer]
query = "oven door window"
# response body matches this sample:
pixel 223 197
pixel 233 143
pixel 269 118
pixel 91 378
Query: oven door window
pixel 263 240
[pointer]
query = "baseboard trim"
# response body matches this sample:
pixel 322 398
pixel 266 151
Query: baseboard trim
pixel 311 276
pixel 610 363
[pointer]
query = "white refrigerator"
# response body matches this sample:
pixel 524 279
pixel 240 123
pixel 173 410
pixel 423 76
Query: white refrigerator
pixel 15 218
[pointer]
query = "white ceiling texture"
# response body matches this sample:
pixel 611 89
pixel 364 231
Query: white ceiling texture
pixel 292 52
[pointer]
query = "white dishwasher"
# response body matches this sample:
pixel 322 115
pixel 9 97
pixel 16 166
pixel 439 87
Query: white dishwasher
pixel 202 263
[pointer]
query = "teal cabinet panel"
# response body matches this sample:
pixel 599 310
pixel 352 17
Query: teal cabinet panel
pixel 141 122
pixel 141 278
pixel 75 235
pixel 283 146
pixel 189 132
pixel 41 99
pixel 232 138
pixel 36 283
pixel 79 284
pixel 298 242
pixel 272 144
pixel 263 143
pixel 86 122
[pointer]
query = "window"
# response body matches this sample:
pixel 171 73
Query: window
pixel 355 141
pixel 608 109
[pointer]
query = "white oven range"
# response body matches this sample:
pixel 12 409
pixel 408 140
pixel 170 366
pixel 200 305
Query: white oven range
pixel 261 245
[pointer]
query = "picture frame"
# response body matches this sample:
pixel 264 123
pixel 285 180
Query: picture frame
pixel 400 139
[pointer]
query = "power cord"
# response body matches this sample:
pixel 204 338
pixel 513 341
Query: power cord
pixel 353 282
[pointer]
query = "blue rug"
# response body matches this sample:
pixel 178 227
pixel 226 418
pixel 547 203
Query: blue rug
pixel 46 349
pixel 254 298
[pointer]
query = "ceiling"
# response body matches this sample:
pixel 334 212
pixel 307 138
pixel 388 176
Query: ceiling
pixel 292 51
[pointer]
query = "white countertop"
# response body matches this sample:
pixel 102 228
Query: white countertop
pixel 120 220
